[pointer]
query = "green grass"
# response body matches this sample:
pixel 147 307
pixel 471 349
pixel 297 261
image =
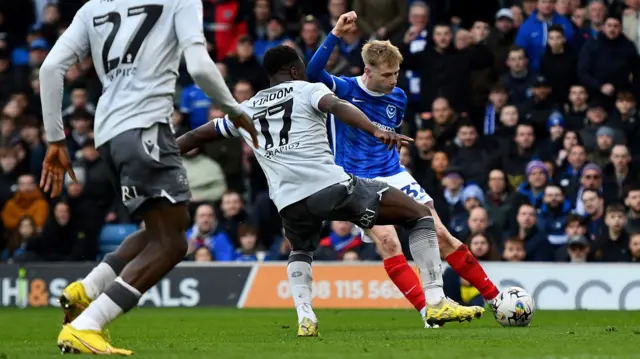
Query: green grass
pixel 266 334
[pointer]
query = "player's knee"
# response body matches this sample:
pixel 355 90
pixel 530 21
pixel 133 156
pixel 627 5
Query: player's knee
pixel 389 243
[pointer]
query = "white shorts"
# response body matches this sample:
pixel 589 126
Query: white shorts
pixel 407 184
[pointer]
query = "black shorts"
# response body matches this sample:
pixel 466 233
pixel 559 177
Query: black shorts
pixel 356 200
pixel 145 164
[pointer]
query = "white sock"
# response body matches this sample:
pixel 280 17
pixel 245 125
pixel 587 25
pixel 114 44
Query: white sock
pixel 423 245
pixel 300 281
pixel 99 313
pixel 98 279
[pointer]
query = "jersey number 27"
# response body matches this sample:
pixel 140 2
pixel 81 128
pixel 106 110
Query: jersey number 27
pixel 152 14
pixel 286 108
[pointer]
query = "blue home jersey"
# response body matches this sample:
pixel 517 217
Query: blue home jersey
pixel 356 151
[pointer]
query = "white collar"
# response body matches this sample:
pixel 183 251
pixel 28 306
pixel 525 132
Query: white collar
pixel 365 89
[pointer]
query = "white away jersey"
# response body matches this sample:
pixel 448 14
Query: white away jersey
pixel 136 47
pixel 294 149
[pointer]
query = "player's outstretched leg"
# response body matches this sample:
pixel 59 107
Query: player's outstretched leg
pixel 463 262
pixel 77 296
pixel 300 282
pixel 398 208
pixel 165 227
pixel 397 267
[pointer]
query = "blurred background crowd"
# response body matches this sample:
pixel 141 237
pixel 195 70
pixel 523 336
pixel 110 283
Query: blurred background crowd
pixel 524 115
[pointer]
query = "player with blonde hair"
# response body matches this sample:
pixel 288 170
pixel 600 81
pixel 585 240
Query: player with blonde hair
pixel 376 94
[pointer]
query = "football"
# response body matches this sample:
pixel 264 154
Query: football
pixel 514 307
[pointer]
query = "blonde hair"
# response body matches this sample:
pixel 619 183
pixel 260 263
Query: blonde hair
pixel 378 52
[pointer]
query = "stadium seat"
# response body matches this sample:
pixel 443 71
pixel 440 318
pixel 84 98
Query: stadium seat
pixel 112 235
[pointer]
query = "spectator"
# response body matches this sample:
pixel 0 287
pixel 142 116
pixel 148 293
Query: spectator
pixel 613 244
pixel 603 73
pixel 422 152
pixel 472 197
pixel 60 240
pixel 590 178
pixel 531 35
pixel 206 232
pixel 597 118
pixel 338 65
pixel 380 18
pixel 507 127
pixel 501 38
pixel 340 240
pixel 26 232
pixel 578 248
pixel 479 222
pixel 594 211
pixel 444 71
pixel 518 79
pixel 514 250
pixel 27 201
pixel 194 106
pixel 244 65
pixel 553 143
pixel 483 247
pixel 247 251
pixel 202 254
pixel 575 226
pixel 518 15
pixel 336 8
pixel 275 36
pixel 81 131
pixel 537 109
pixel 351 256
pixel 498 199
pixel 632 201
pixel 205 176
pixel 634 247
pixel 532 190
pixel 571 169
pixel 576 110
pixel 79 97
pixel 445 122
pixel 596 13
pixel 233 213
pixel 468 154
pixel 626 118
pixel 604 143
pixel 535 240
pixel 630 22
pixel 453 183
pixel 9 175
pixel 558 65
pixel 243 91
pixel 30 136
pixel 292 12
pixel 259 19
pixel 310 37
pixel 553 216
pixel 514 159
pixel 498 98
pixel 620 173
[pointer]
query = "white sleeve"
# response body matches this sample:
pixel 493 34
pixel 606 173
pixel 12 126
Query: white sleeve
pixel 188 23
pixel 315 92
pixel 72 46
pixel 226 128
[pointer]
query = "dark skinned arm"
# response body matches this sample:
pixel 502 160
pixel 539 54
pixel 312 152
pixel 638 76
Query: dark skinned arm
pixel 352 116
pixel 198 137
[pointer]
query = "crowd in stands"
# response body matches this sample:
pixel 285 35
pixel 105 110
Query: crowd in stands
pixel 524 114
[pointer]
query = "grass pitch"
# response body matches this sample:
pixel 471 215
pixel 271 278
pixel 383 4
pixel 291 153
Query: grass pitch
pixel 388 334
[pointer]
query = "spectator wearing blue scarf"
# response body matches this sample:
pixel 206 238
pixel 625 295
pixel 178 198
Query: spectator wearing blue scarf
pixel 498 98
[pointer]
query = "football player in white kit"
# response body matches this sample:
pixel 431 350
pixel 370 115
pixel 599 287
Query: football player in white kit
pixel 136 47
pixel 305 184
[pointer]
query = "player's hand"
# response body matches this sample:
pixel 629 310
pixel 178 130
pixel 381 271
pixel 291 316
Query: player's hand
pixel 55 165
pixel 244 121
pixel 346 24
pixel 391 139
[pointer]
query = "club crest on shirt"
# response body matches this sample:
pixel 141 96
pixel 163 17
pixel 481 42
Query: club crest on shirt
pixel 391 111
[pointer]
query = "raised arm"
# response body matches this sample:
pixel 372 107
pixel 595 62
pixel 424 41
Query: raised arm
pixel 352 116
pixel 316 69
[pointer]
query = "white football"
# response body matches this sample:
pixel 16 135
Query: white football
pixel 514 307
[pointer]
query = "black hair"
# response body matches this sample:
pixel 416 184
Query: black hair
pixel 278 57
pixel 557 28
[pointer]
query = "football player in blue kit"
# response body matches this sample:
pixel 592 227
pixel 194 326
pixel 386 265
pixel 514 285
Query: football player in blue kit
pixel 376 94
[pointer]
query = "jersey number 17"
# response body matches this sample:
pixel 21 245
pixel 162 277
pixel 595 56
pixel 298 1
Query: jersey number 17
pixel 152 14
pixel 286 108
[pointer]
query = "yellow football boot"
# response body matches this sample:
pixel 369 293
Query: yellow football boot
pixel 74 341
pixel 307 328
pixel 450 311
pixel 73 301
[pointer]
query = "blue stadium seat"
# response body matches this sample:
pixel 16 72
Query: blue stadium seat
pixel 112 235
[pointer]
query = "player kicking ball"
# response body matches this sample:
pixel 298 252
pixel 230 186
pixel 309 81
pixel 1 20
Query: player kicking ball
pixel 305 184
pixel 136 48
pixel 376 94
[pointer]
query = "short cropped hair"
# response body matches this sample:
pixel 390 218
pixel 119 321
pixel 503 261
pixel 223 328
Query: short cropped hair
pixel 379 52
pixel 616 208
pixel 278 57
